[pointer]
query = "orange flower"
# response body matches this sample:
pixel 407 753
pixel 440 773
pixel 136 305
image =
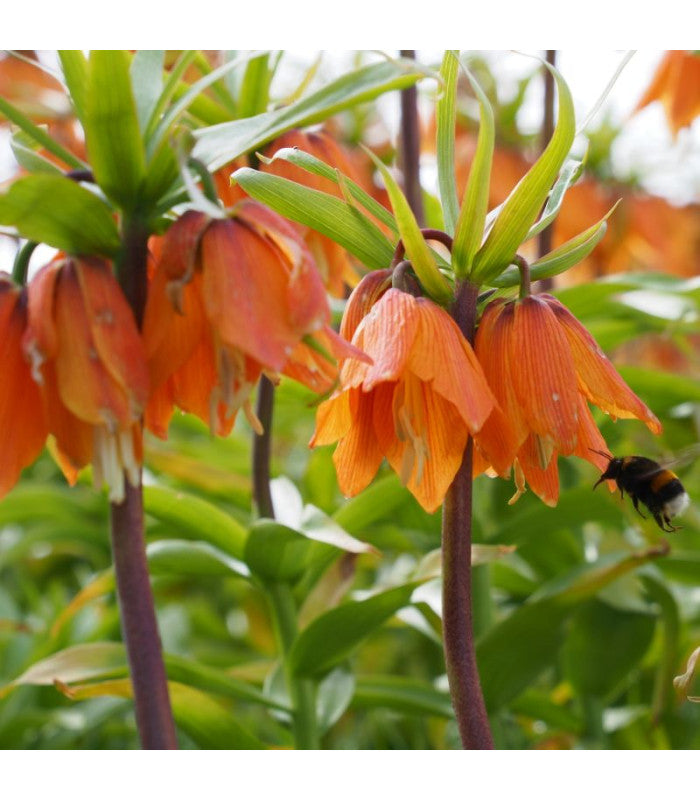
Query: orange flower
pixel 230 299
pixel 88 358
pixel 676 83
pixel 23 427
pixel 544 367
pixel 415 405
pixel 333 261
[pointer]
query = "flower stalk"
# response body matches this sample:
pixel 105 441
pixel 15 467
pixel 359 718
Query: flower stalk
pixel 262 495
pixel 138 618
pixel 410 145
pixel 457 616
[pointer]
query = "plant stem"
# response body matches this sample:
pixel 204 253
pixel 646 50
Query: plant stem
pixel 410 146
pixel 139 626
pixel 261 450
pixel 302 691
pixel 457 621
pixel 544 240
pixel 138 617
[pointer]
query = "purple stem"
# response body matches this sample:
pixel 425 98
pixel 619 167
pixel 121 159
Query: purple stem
pixel 410 145
pixel 457 620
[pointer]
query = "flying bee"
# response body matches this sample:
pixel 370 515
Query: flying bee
pixel 650 483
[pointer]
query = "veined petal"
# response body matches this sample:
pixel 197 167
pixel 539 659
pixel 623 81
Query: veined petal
pixel 23 426
pixel 542 370
pixel 443 357
pixel 590 443
pixel 598 379
pixel 367 292
pixel 245 291
pixel 334 418
pixel 85 386
pixel 497 443
pixel 180 248
pixel 41 341
pixel 358 456
pixel 387 334
pixel 543 482
pixel 113 329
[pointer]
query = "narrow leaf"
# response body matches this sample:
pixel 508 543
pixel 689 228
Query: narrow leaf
pixel 446 117
pixel 323 212
pixel 332 637
pixel 147 83
pixel 525 201
pixel 417 250
pixel 220 144
pixel 472 215
pixel 112 134
pixel 57 211
pixel 75 72
pixel 254 93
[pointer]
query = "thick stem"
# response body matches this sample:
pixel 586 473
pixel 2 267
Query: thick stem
pixel 261 450
pixel 410 146
pixel 457 620
pixel 139 626
pixel 138 617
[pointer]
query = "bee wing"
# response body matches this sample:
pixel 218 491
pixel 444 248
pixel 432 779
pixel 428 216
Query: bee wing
pixel 680 459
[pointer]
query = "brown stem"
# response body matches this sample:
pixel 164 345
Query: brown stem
pixel 261 450
pixel 138 617
pixel 410 145
pixel 457 621
pixel 139 626
pixel 544 240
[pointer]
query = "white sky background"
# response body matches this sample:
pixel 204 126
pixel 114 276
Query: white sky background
pixel 645 147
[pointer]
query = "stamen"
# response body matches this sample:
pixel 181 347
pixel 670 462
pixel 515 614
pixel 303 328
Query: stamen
pixel 252 418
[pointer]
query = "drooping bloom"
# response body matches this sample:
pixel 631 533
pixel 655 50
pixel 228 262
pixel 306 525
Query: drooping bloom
pixel 544 368
pixel 415 405
pixel 230 299
pixel 88 359
pixel 676 83
pixel 333 261
pixel 23 427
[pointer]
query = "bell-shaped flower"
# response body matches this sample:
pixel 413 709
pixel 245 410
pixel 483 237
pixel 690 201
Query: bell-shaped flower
pixel 230 299
pixel 88 358
pixel 415 405
pixel 23 427
pixel 544 368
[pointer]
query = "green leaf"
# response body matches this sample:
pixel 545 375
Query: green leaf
pixel 332 637
pixel 195 518
pixel 558 260
pixel 278 553
pixel 24 150
pixel 446 117
pixel 57 211
pixel 75 72
pixel 417 250
pixel 472 216
pixel 197 559
pixel 315 166
pixel 603 646
pixel 569 174
pixel 376 502
pixel 323 212
pixel 220 144
pixel 333 697
pixel 405 695
pixel 39 135
pixel 661 390
pixel 254 93
pixel 112 134
pixel 147 83
pixel 525 201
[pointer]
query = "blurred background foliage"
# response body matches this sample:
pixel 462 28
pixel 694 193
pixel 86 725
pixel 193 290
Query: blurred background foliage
pixel 584 613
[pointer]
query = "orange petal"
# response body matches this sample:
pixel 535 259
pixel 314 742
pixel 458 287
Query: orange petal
pixel 160 409
pixel 113 329
pixel 246 280
pixel 542 370
pixel 497 442
pixel 334 418
pixel 42 339
pixel 443 357
pixel 364 296
pixel 543 482
pixel 358 456
pixel 598 379
pixel 23 426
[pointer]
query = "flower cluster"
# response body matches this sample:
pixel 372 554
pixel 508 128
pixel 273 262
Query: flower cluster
pixel 229 300
pixel 522 394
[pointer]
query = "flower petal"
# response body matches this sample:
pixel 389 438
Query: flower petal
pixel 367 292
pixel 542 370
pixel 598 379
pixel 358 456
pixel 543 482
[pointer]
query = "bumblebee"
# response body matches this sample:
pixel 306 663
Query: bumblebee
pixel 647 482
